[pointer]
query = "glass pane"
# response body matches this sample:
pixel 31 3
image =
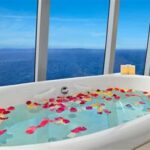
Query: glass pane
pixel 17 41
pixel 133 29
pixel 77 38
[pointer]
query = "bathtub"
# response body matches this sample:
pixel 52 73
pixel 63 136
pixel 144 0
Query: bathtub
pixel 126 136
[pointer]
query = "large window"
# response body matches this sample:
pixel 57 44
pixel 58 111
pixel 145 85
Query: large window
pixel 17 41
pixel 77 38
pixel 133 28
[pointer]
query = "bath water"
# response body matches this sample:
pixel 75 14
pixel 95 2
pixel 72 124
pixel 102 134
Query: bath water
pixel 62 118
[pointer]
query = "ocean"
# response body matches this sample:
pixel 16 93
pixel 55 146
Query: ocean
pixel 17 65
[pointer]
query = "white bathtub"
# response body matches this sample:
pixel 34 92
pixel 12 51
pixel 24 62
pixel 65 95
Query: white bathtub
pixel 123 137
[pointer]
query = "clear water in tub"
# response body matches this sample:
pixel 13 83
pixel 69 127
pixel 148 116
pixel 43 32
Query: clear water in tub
pixel 65 117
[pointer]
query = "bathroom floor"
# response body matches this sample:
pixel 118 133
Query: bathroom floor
pixel 145 146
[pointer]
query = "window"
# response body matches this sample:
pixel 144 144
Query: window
pixel 17 41
pixel 77 38
pixel 133 29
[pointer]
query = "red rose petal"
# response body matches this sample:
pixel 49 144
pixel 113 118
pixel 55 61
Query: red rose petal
pixel 6 112
pixel 45 106
pixel 102 104
pixel 31 130
pixel 28 102
pixel 78 130
pixel 107 111
pixel 145 92
pixel 51 100
pixel 122 91
pixel 73 109
pixel 60 110
pixel 43 123
pixel 5 118
pixel 141 102
pixel 11 108
pixel 89 107
pixel 36 104
pixel 2 110
pixel 108 99
pixel 66 121
pixel 109 89
pixel 82 102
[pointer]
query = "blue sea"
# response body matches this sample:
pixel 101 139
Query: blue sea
pixel 17 65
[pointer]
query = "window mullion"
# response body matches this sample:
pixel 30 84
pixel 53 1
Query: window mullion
pixel 42 40
pixel 111 36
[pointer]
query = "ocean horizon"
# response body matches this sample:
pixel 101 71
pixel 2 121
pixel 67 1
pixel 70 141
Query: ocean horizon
pixel 17 65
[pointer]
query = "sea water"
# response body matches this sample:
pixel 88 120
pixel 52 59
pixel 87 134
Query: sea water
pixel 86 113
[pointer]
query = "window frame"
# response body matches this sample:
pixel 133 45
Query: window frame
pixel 147 62
pixel 110 45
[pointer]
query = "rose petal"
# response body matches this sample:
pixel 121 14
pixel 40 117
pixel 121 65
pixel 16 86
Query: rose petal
pixel 51 100
pixel 60 110
pixel 108 99
pixel 73 109
pixel 66 121
pixel 78 130
pixel 89 107
pixel 141 102
pixel 2 132
pixel 28 102
pixel 107 111
pixel 43 123
pixel 6 112
pixel 31 130
pixel 11 108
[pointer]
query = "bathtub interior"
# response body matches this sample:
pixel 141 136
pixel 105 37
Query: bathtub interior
pixel 17 95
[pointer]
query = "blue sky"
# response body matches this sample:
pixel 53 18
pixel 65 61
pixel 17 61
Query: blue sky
pixel 74 23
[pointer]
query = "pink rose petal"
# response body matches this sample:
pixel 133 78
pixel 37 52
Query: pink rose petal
pixel 2 132
pixel 43 123
pixel 108 99
pixel 141 102
pixel 107 111
pixel 31 130
pixel 51 100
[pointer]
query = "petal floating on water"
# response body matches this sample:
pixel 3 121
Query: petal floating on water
pixel 31 130
pixel 2 132
pixel 78 130
pixel 44 122
pixel 11 108
pixel 73 109
pixel 107 111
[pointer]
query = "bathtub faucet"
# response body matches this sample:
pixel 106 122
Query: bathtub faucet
pixel 64 90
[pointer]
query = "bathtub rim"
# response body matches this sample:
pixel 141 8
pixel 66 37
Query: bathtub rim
pixel 115 75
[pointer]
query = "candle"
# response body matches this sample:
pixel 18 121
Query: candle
pixel 128 69
pixel 132 70
pixel 124 69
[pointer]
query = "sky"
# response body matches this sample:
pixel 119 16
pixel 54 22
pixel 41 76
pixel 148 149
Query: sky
pixel 74 23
